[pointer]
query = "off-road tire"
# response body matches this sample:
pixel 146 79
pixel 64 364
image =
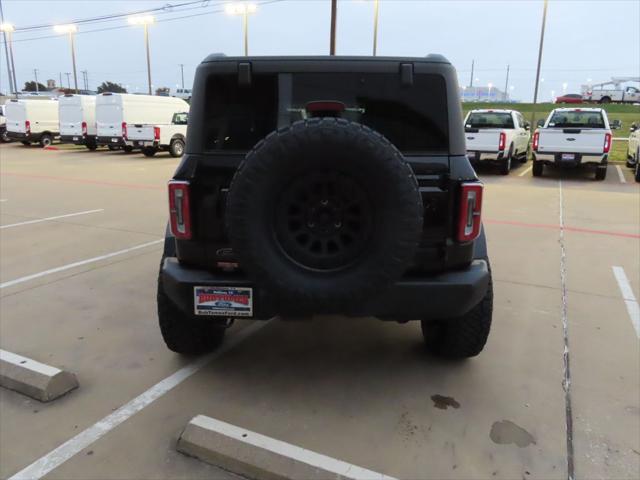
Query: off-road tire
pixel 464 336
pixel 537 168
pixel 45 140
pixel 601 172
pixel 149 151
pixel 296 164
pixel 176 149
pixel 505 166
pixel 186 334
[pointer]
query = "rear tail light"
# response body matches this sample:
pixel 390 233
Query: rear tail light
pixel 536 140
pixel 27 126
pixel 179 213
pixel 84 128
pixel 469 220
pixel 156 133
pixel 502 141
pixel 124 130
pixel 607 143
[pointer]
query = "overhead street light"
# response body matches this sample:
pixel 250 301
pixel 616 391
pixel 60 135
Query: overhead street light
pixel 244 9
pixel 145 21
pixel 8 30
pixel 70 29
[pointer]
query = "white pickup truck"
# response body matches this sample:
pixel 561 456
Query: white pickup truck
pixel 633 150
pixel 573 137
pixel 496 136
pixel 168 137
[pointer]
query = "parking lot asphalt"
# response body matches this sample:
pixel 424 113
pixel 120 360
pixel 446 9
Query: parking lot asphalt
pixel 78 292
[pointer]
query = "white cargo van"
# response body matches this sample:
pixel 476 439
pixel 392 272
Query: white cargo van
pixel 78 120
pixel 3 126
pixel 31 121
pixel 116 112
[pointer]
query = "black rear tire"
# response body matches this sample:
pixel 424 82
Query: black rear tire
pixel 464 336
pixel 184 333
pixel 601 172
pixel 45 140
pixel 637 172
pixel 176 149
pixel 127 149
pixel 91 146
pixel 5 137
pixel 537 168
pixel 505 166
pixel 149 151
pixel 112 148
pixel 630 163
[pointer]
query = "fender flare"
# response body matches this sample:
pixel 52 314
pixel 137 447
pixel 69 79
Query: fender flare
pixel 480 246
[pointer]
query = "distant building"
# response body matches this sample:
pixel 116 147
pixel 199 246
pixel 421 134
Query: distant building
pixel 51 84
pixel 483 94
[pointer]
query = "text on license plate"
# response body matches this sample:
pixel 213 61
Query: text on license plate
pixel 568 156
pixel 223 301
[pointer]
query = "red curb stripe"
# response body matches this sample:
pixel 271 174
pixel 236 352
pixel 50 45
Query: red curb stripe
pixel 557 227
pixel 84 181
pixel 51 148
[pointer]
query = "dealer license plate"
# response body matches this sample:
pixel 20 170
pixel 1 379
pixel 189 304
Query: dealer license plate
pixel 568 156
pixel 114 140
pixel 75 139
pixel 223 301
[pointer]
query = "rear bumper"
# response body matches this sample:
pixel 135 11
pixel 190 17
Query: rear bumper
pixel 441 296
pixel 115 141
pixel 143 143
pixel 78 139
pixel 22 136
pixel 476 156
pixel 555 158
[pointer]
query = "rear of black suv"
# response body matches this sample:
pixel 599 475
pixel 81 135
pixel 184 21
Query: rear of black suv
pixel 332 185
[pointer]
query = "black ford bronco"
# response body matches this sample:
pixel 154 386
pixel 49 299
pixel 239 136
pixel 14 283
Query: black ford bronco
pixel 325 185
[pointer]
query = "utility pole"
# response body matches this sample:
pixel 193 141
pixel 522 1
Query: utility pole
pixel 506 84
pixel 60 84
pixel 35 74
pixel 535 94
pixel 334 14
pixel 68 74
pixel 85 79
pixel 182 74
pixel 473 64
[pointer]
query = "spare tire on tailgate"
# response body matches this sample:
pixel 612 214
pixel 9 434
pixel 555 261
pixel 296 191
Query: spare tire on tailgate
pixel 324 213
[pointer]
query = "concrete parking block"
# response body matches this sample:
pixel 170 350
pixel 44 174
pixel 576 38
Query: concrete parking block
pixel 257 456
pixel 34 379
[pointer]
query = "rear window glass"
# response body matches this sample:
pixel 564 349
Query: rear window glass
pixel 489 120
pixel 414 118
pixel 576 119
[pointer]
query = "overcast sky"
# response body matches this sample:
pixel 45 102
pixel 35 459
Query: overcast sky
pixel 594 39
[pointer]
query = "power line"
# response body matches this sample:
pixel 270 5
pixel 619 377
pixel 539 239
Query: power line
pixel 81 32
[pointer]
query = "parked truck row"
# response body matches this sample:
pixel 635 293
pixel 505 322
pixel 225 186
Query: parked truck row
pixel 118 121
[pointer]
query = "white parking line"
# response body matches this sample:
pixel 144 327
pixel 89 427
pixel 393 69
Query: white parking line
pixel 523 173
pixel 47 219
pixel 76 264
pixel 71 447
pixel 620 174
pixel 629 298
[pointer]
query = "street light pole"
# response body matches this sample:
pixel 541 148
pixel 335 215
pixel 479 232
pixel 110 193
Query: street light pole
pixel 145 21
pixel 535 91
pixel 506 84
pixel 146 41
pixel 376 8
pixel 243 9
pixel 7 29
pixel 73 59
pixel 35 74
pixel 182 75
pixel 332 39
